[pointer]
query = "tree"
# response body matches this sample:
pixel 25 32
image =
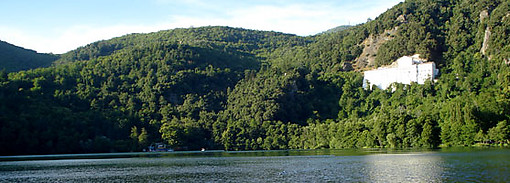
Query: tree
pixel 143 138
pixel 500 133
pixel 392 140
pixel 172 132
pixel 429 135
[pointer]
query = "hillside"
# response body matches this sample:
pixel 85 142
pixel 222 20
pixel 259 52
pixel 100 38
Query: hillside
pixel 237 89
pixel 13 58
pixel 337 29
pixel 258 43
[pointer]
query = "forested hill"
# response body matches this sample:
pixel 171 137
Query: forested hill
pixel 254 43
pixel 237 89
pixel 13 58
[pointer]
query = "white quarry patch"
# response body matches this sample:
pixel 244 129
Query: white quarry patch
pixel 405 70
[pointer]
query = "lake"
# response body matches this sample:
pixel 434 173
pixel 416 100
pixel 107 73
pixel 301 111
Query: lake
pixel 446 165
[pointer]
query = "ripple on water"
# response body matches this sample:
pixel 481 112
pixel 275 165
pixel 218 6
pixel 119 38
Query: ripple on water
pixel 411 167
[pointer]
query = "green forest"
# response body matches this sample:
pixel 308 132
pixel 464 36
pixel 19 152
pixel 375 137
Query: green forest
pixel 237 89
pixel 13 58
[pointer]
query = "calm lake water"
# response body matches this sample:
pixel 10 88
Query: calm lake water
pixel 447 165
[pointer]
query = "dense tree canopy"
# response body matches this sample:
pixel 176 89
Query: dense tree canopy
pixel 236 89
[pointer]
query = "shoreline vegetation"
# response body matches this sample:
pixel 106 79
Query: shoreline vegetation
pixel 236 89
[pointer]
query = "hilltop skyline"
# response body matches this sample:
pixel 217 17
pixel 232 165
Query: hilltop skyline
pixel 60 26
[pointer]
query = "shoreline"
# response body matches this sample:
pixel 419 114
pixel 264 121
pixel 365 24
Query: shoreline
pixel 223 153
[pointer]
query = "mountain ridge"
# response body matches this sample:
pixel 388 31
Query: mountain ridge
pixel 14 58
pixel 238 89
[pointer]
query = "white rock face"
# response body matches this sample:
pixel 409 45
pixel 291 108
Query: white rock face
pixel 405 70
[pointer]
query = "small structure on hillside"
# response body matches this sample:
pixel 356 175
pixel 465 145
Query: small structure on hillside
pixel 405 70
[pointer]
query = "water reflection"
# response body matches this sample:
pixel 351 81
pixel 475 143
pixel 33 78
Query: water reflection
pixel 272 166
pixel 424 167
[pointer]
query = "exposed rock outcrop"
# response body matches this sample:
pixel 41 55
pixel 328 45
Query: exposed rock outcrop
pixel 485 44
pixel 483 15
pixel 402 19
pixel 370 47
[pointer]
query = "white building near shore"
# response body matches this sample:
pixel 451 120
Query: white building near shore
pixel 405 70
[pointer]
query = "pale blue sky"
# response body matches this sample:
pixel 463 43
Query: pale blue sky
pixel 59 26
